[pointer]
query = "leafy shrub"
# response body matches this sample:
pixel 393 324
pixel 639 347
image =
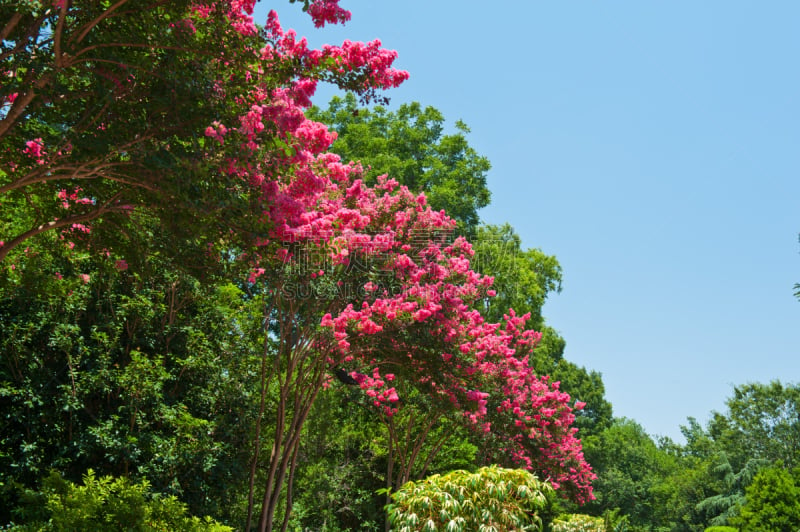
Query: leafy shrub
pixel 721 529
pixel 579 523
pixel 105 504
pixel 491 499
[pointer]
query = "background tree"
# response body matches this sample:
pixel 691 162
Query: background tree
pixel 689 481
pixel 724 503
pixel 772 502
pixel 410 146
pixel 628 465
pixel 762 422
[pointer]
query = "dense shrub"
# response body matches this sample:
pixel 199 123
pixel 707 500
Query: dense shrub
pixel 579 523
pixel 105 504
pixel 492 498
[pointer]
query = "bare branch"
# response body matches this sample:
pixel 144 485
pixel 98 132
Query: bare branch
pixel 10 25
pixel 74 172
pixel 17 109
pixel 57 37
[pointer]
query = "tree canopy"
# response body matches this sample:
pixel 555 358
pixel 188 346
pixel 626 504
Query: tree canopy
pixel 340 274
pixel 217 300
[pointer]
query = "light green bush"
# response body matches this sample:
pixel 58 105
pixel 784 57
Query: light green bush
pixel 492 499
pixel 721 529
pixel 579 523
pixel 105 504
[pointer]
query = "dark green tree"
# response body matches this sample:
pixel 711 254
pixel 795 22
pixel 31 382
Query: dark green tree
pixel 729 494
pixel 135 370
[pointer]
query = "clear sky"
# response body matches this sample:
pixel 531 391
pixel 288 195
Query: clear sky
pixel 653 148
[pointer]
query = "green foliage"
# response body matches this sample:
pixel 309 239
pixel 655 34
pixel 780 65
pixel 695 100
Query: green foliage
pixel 629 466
pixel 614 521
pixel 491 499
pixel 105 504
pixel 141 373
pixel 721 529
pixel 772 502
pixel 119 99
pixel 523 278
pixel 724 505
pixel 578 523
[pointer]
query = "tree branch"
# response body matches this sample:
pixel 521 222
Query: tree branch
pixel 17 108
pixel 58 33
pixel 10 25
pixel 88 27
pixel 63 222
pixel 77 172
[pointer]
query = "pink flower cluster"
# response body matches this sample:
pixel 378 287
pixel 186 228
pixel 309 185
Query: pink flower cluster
pixel 238 12
pixel 8 100
pixel 327 11
pixel 35 150
pixel 372 61
pixel 74 196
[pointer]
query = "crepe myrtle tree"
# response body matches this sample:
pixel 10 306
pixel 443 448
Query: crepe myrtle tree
pixel 366 278
pixel 300 206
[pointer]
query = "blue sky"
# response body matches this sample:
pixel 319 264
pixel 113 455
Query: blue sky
pixel 653 148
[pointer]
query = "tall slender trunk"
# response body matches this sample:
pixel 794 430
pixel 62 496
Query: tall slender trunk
pixel 261 408
pixel 389 470
pixel 300 377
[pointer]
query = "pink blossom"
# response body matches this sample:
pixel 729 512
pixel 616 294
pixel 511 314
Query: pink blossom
pixel 34 149
pixel 327 11
pixel 255 274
